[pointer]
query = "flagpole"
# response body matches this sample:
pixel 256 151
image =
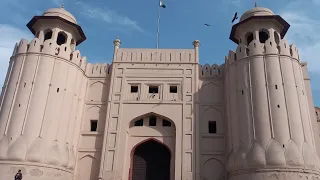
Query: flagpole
pixel 158 30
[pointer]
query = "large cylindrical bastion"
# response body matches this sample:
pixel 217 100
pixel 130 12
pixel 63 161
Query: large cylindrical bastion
pixel 40 105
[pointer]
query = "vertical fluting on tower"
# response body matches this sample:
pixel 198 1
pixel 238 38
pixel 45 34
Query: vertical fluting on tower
pixel 268 110
pixel 41 101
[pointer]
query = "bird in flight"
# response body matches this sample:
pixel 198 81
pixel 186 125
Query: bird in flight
pixel 207 24
pixel 235 17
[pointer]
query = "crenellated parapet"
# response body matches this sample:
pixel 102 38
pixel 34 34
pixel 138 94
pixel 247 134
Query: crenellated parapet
pixel 207 71
pixel 155 55
pixel 256 48
pixel 98 70
pixel 50 47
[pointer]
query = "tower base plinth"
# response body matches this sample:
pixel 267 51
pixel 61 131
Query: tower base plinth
pixel 277 174
pixel 33 171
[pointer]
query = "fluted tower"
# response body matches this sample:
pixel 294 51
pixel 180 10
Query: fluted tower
pixel 269 126
pixel 42 98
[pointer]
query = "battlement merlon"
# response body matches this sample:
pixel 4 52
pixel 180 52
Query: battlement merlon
pixel 98 70
pixel 214 71
pixel 145 55
pixel 50 47
pixel 256 48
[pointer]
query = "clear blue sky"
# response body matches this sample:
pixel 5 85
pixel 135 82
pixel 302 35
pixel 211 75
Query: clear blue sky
pixel 135 22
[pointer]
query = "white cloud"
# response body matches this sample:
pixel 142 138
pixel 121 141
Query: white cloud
pixel 304 32
pixel 9 36
pixel 109 16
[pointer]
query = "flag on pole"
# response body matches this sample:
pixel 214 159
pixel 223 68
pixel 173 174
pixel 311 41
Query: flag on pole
pixel 162 5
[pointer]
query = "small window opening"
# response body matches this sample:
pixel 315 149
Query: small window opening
pixel 242 92
pixel 276 86
pixel 152 121
pixel 283 145
pixel 153 89
pixel 212 127
pixel 138 122
pixel 58 89
pixel 302 92
pixel 24 85
pixel 93 125
pixel 249 38
pixel 134 89
pixel 317 113
pixel 263 36
pixel 166 123
pixel 72 44
pixel 247 51
pixel 278 106
pixel 48 35
pixel 276 37
pixel 61 38
pixel 173 89
pixel 19 105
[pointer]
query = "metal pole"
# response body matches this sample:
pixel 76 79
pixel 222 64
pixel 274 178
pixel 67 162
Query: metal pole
pixel 158 30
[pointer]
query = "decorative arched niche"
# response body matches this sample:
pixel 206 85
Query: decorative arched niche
pixel 211 121
pixel 151 124
pixel 88 167
pixel 211 92
pixel 213 169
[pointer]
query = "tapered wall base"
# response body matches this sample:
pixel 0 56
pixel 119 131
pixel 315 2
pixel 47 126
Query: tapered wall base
pixel 276 174
pixel 33 171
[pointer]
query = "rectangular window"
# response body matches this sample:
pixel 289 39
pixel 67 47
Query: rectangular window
pixel 153 89
pixel 152 121
pixel 138 122
pixel 212 127
pixel 173 89
pixel 93 125
pixel 166 123
pixel 134 89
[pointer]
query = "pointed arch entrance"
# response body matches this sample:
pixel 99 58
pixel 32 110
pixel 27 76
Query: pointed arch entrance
pixel 150 160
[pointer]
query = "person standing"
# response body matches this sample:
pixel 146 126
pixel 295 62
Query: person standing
pixel 18 176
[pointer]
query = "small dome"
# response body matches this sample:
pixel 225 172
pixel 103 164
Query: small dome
pixel 61 12
pixel 257 11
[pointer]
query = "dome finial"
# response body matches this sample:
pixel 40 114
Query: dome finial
pixel 62 5
pixel 255 3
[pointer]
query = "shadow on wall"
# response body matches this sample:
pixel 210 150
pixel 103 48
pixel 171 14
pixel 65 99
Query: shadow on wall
pixel 95 118
pixel 212 124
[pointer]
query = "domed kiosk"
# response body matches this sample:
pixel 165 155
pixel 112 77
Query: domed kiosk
pixel 58 16
pixel 260 15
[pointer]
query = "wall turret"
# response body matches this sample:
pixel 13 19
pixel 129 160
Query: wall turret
pixel 42 97
pixel 269 123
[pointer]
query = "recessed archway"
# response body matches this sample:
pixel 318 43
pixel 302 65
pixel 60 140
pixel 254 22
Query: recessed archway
pixel 158 130
pixel 150 159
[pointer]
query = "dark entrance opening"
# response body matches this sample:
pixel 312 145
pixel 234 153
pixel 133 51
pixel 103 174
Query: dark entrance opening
pixel 151 161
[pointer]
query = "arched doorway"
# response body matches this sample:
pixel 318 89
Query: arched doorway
pixel 151 161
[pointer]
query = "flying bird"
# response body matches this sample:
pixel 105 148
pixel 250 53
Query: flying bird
pixel 235 17
pixel 162 5
pixel 207 24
